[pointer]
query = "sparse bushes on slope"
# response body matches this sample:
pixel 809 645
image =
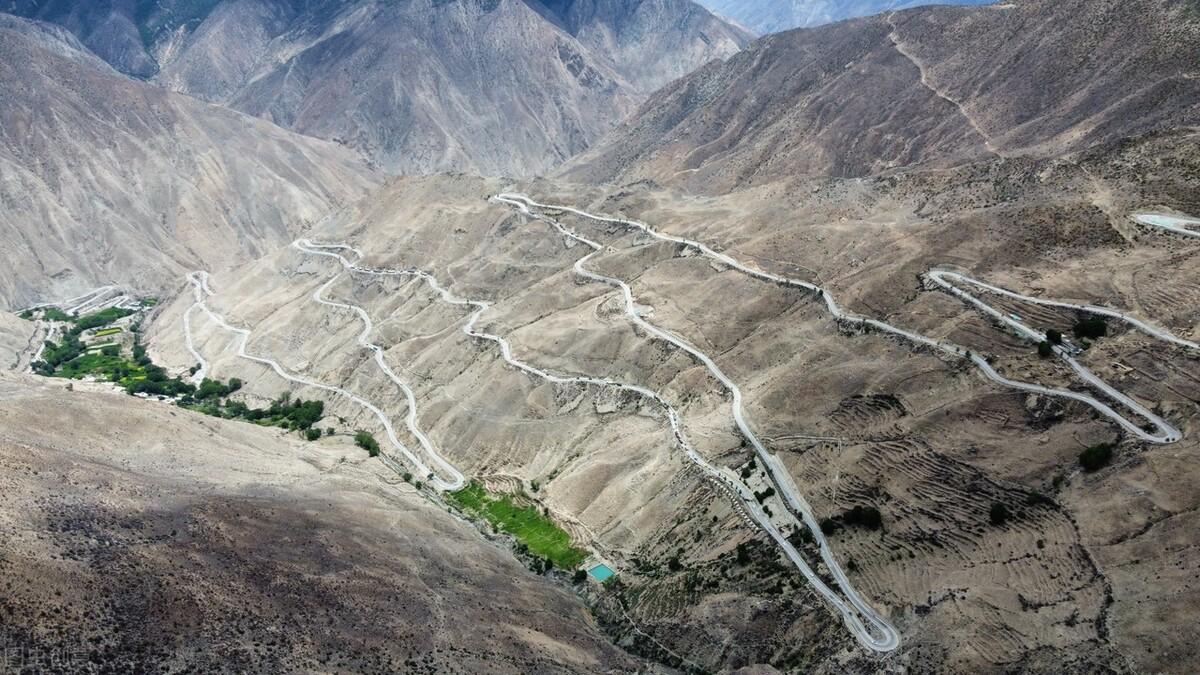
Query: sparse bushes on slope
pixel 1091 327
pixel 1096 457
pixel 998 515
pixel 366 441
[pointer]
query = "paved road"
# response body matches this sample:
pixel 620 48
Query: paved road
pixel 1165 432
pixel 1186 226
pixel 888 638
pixel 870 627
pixel 199 281
pixel 456 479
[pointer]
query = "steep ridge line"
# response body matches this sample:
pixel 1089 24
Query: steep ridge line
pixel 888 637
pixel 201 292
pixel 852 613
pixel 1167 433
pixel 925 81
pixel 1174 224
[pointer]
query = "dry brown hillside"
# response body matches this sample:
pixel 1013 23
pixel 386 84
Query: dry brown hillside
pixel 110 180
pixel 142 537
pixel 858 419
pixel 932 87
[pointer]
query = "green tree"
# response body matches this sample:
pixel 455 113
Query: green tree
pixel 998 514
pixel 1091 327
pixel 366 441
pixel 1096 457
pixel 312 434
pixel 1054 337
pixel 1044 349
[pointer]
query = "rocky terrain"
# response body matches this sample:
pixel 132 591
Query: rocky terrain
pixel 418 85
pixel 925 440
pixel 106 179
pixel 141 537
pixel 932 87
pixel 996 528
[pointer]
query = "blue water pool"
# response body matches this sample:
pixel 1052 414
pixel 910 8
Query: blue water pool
pixel 601 572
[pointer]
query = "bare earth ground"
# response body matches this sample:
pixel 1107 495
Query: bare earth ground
pixel 141 537
pixel 1092 571
pixel 16 336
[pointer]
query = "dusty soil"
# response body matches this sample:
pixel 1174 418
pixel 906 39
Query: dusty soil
pixel 141 537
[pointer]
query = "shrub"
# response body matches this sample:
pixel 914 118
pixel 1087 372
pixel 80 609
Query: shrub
pixel 1091 327
pixel 673 564
pixel 1096 457
pixel 743 554
pixel 1045 349
pixel 864 516
pixel 101 318
pixel 312 434
pixel 1054 337
pixel 366 441
pixel 999 514
pixel 110 350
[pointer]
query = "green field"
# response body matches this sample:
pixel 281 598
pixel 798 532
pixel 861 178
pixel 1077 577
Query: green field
pixel 526 523
pixel 108 331
pixel 115 368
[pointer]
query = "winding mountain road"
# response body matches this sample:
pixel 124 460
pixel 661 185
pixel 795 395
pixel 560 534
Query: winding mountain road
pixel 881 636
pixel 1165 432
pixel 199 281
pixel 456 480
pixel 856 613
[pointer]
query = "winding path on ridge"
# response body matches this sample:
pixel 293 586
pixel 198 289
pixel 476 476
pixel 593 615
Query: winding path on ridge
pixel 1164 431
pixel 855 612
pixel 871 629
pixel 201 292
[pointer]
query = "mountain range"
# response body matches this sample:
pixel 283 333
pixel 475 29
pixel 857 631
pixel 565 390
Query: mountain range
pixel 107 179
pixel 773 16
pixel 488 86
pixel 929 87
pixel 420 317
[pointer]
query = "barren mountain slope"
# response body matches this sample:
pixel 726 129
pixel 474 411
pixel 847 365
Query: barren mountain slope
pixel 110 180
pixel 491 86
pixel 859 419
pixel 16 336
pixel 141 536
pixel 935 86
pixel 933 452
pixel 773 16
pixel 649 42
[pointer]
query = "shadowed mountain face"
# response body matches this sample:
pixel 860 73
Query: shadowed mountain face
pixel 932 87
pixel 488 86
pixel 105 179
pixel 772 16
